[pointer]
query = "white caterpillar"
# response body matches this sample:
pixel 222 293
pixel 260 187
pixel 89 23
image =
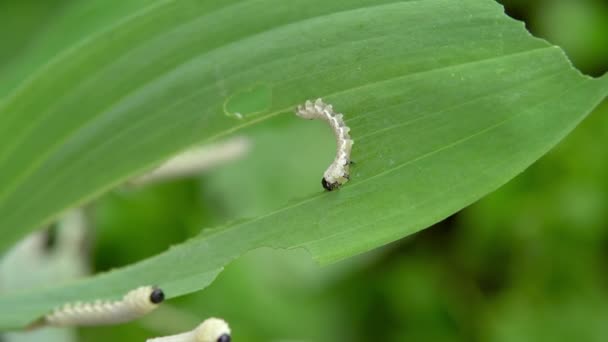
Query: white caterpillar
pixel 211 330
pixel 133 305
pixel 338 172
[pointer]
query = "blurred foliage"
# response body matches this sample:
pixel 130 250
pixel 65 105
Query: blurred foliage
pixel 526 263
pixel 26 17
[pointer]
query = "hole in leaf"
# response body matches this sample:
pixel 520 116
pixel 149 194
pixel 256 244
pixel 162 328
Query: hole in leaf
pixel 252 100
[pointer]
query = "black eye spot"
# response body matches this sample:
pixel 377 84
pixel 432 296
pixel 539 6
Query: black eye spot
pixel 224 338
pixel 157 296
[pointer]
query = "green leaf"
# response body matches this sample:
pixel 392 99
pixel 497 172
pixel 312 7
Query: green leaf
pixel 447 100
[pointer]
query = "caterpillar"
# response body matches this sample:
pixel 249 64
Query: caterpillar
pixel 211 330
pixel 133 305
pixel 338 172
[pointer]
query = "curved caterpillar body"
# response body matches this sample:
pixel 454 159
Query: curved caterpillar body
pixel 133 305
pixel 338 172
pixel 211 330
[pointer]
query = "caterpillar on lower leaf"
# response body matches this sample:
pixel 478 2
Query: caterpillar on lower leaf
pixel 338 172
pixel 211 330
pixel 133 305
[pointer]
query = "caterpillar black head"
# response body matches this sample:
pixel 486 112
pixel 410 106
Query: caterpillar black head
pixel 157 296
pixel 224 338
pixel 329 186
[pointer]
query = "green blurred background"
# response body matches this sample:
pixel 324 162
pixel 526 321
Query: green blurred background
pixel 527 263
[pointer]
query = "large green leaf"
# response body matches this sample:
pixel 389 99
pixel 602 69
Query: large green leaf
pixel 447 100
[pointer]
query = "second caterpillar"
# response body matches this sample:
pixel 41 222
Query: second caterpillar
pixel 133 305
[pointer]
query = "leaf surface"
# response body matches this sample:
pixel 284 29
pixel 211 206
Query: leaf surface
pixel 446 101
